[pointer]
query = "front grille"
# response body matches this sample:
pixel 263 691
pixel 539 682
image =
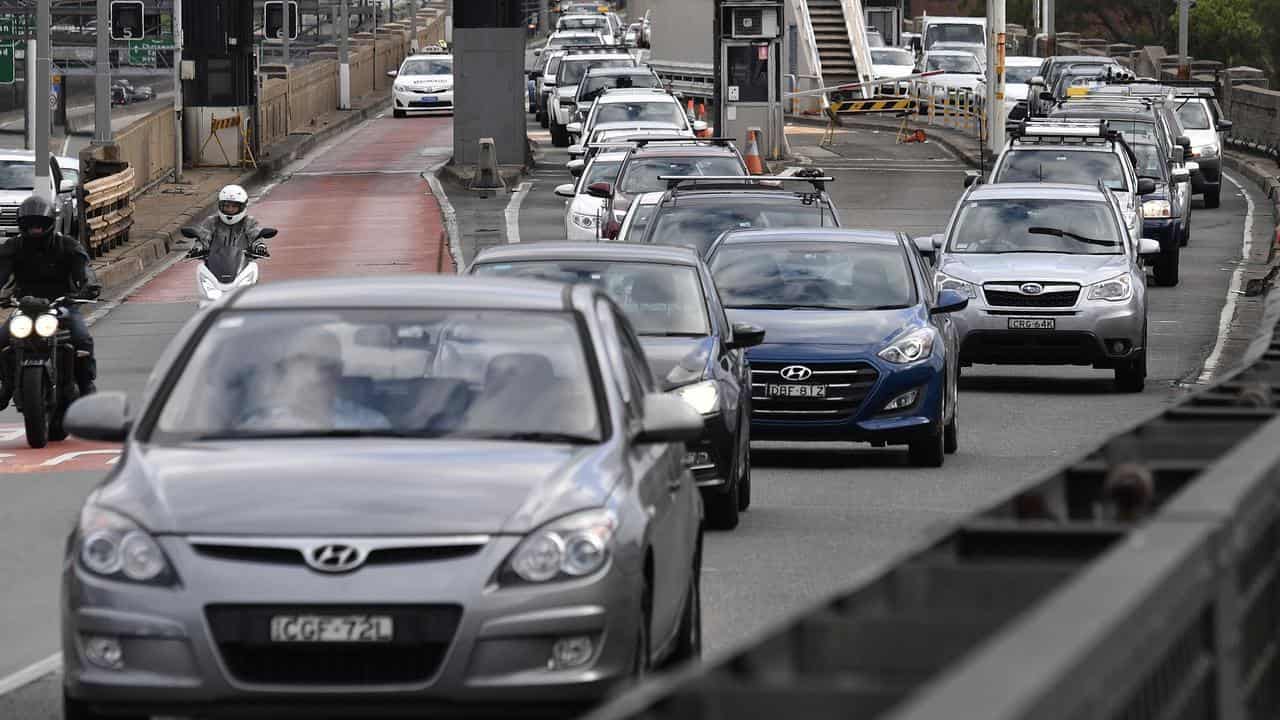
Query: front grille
pixel 848 385
pixel 378 556
pixel 1049 299
pixel 9 216
pixel 421 638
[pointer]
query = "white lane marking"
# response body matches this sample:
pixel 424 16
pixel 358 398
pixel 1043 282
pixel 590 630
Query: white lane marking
pixel 30 673
pixel 66 142
pixel 1229 307
pixel 513 211
pixel 449 215
pixel 66 457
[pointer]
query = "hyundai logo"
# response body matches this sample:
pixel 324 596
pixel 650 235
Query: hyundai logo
pixel 335 558
pixel 1032 288
pixel 796 373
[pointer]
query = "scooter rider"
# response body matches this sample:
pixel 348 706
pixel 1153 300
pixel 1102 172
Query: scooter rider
pixel 231 227
pixel 44 263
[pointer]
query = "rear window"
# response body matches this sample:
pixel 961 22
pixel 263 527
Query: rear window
pixel 698 225
pixel 1075 167
pixel 642 175
pixel 571 71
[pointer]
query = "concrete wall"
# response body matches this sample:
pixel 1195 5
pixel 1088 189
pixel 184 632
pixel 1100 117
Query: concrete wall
pixel 1253 112
pixel 681 29
pixel 489 93
pixel 148 147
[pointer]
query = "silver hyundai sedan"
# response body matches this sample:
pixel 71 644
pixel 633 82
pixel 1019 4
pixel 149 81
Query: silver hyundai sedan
pixel 1052 278
pixel 433 496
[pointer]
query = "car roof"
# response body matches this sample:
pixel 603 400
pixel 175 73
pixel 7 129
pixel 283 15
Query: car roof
pixel 404 291
pixel 738 190
pixel 1035 191
pixel 433 56
pixel 683 150
pixel 633 70
pixel 1027 60
pixel 610 156
pixel 576 55
pixel 1057 59
pixel 621 252
pixel 865 237
pixel 621 95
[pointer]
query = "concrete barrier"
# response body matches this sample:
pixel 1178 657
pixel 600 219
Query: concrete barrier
pixel 147 146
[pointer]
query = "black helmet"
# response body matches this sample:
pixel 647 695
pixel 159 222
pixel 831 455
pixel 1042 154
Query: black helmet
pixel 36 217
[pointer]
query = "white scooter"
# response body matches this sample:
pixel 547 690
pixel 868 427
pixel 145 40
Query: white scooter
pixel 223 271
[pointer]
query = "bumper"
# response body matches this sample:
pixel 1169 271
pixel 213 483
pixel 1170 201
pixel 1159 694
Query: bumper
pixel 576 233
pixel 1083 336
pixel 1163 230
pixel 868 423
pixel 1209 176
pixel 413 101
pixel 175 661
pixel 564 114
pixel 711 457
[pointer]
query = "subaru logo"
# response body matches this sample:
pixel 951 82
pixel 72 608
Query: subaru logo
pixel 1032 288
pixel 796 373
pixel 334 558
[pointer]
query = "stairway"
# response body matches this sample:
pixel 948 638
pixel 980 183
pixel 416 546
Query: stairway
pixel 827 17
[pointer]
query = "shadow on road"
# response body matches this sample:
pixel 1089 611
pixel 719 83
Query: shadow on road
pixel 1101 385
pixel 831 457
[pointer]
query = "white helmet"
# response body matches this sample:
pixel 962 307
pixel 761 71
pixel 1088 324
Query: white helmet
pixel 233 204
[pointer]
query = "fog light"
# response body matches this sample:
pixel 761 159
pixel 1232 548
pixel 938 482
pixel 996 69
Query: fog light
pixel 1119 347
pixel 905 400
pixel 104 652
pixel 694 459
pixel 570 652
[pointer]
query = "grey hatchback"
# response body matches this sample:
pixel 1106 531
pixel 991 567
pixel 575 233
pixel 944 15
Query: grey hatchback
pixel 433 496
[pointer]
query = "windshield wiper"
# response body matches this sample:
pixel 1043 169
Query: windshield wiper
pixel 673 334
pixel 886 307
pixel 1080 238
pixel 301 434
pixel 528 436
pixel 787 306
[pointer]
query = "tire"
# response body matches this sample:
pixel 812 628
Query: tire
pixel 398 113
pixel 35 414
pixel 1213 198
pixel 559 135
pixel 1132 376
pixel 76 710
pixel 722 507
pixel 1166 267
pixel 689 642
pixel 542 119
pixel 744 483
pixel 951 435
pixel 928 449
pixel 641 664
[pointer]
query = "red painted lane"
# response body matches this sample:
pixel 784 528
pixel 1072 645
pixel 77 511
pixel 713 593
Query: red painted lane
pixel 359 209
pixel 68 455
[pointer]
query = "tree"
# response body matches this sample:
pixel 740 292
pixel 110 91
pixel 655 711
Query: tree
pixel 1225 30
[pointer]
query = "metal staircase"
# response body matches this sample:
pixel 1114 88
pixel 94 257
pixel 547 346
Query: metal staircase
pixel 839 30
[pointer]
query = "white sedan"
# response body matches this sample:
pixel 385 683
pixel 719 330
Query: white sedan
pixel 584 211
pixel 424 83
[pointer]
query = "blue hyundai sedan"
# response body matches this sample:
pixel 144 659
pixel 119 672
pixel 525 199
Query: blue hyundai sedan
pixel 858 346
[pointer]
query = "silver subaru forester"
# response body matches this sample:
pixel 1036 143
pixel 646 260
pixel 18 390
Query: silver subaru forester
pixel 1052 277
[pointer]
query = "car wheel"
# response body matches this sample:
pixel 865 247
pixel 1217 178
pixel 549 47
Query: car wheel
pixel 951 434
pixel 559 135
pixel 928 448
pixel 722 507
pixel 689 642
pixel 1132 376
pixel 1166 267
pixel 642 663
pixel 744 482
pixel 398 113
pixel 76 710
pixel 542 119
pixel 1213 198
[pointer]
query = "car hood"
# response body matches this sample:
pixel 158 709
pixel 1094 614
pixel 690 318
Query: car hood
pixel 1200 138
pixel 956 80
pixel 640 125
pixel 892 71
pixel 367 486
pixel 1015 92
pixel 432 80
pixel 13 197
pixel 1040 267
pixel 665 353
pixel 869 329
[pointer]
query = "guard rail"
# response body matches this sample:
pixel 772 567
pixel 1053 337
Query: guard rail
pixel 107 211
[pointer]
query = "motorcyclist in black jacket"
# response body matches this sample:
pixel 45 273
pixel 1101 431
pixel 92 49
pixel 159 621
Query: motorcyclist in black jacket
pixel 44 263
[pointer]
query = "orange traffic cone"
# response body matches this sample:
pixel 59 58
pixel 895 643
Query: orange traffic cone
pixel 755 164
pixel 702 115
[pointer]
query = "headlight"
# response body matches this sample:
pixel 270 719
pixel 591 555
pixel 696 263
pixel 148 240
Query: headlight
pixel 1156 209
pixel 1116 289
pixel 401 87
pixel 701 396
pixel 945 282
pixel 584 221
pixel 46 325
pixel 910 347
pixel 573 546
pixel 20 326
pixel 113 546
pixel 1208 151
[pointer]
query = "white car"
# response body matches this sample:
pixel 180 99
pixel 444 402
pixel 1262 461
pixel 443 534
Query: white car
pixel 597 22
pixel 621 133
pixel 960 71
pixel 424 83
pixel 1018 71
pixel 17 180
pixel 562 105
pixel 583 212
pixel 892 62
pixel 647 109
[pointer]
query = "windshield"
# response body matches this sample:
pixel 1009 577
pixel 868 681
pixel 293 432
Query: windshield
pixel 592 86
pixel 427 67
pixel 581 23
pixel 965 63
pixel 17 175
pixel 1020 74
pixel 571 71
pixel 843 276
pixel 959 33
pixel 1071 227
pixel 874 39
pixel 433 373
pixel 892 56
pixel 698 225
pixel 658 299
pixel 642 175
pixel 657 112
pixel 1149 163
pixel 1074 167
pixel 1192 116
pixel 601 171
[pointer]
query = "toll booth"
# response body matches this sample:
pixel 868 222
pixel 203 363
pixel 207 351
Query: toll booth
pixel 219 76
pixel 886 16
pixel 748 72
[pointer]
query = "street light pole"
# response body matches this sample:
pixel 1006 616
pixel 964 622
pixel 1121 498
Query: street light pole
pixel 177 90
pixel 1184 61
pixel 413 26
pixel 1050 30
pixel 995 76
pixel 102 79
pixel 286 28
pixel 344 57
pixel 43 186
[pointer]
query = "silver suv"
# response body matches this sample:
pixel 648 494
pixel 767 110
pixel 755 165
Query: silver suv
pixel 1050 276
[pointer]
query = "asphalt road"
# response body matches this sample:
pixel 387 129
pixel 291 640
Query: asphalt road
pixel 821 515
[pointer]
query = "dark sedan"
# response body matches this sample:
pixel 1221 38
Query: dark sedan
pixel 432 495
pixel 859 348
pixel 669 297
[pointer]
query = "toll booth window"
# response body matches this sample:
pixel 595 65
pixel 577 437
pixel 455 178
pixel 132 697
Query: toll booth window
pixel 749 72
pixel 219 79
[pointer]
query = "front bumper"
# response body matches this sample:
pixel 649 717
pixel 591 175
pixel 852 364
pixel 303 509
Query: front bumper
pixel 415 101
pixel 1209 176
pixel 176 663
pixel 1082 335
pixel 711 457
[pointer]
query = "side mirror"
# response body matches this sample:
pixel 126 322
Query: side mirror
pixel 189 232
pixel 610 230
pixel 537 52
pixel 746 335
pixel 1184 141
pixel 392 73
pixel 1048 97
pixel 938 240
pixel 576 167
pixel 925 246
pixel 1146 186
pixel 565 190
pixel 267 233
pixel 1224 125
pixel 1181 175
pixel 573 128
pixel 600 190
pixel 1147 246
pixel 1037 81
pixel 577 150
pixel 103 417
pixel 949 301
pixel 66 186
pixel 700 125
pixel 971 177
pixel 667 419
pixel 1192 166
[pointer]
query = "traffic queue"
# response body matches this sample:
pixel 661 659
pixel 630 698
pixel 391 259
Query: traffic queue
pixel 458 496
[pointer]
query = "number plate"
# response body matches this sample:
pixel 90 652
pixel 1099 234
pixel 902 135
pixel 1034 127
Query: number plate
pixel 1031 323
pixel 797 391
pixel 331 628
pixel 428 98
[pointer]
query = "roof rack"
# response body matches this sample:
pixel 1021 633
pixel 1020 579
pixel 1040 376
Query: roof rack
pixel 1063 128
pixel 674 182
pixel 723 141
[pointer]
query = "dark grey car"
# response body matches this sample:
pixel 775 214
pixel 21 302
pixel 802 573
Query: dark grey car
pixel 439 496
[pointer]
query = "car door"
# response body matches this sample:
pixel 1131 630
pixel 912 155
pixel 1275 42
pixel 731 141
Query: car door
pixel 657 469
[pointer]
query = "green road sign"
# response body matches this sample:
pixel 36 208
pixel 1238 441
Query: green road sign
pixel 143 51
pixel 6 64
pixel 11 26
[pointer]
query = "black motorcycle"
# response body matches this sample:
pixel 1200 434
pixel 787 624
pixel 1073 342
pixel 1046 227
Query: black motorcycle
pixel 43 362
